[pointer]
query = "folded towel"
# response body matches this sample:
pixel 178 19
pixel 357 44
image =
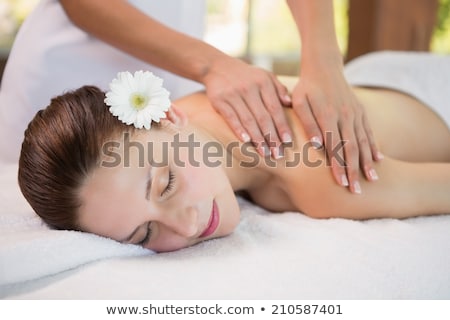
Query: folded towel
pixel 422 75
pixel 30 250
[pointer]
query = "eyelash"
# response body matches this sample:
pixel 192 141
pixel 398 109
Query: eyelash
pixel 169 186
pixel 144 241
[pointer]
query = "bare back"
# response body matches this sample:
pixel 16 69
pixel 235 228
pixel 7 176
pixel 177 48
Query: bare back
pixel 404 127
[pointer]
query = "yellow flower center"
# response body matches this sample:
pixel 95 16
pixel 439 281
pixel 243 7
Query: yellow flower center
pixel 138 101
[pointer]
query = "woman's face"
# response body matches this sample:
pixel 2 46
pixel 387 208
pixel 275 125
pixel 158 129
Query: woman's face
pixel 154 189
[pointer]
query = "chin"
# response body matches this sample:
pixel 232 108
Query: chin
pixel 232 223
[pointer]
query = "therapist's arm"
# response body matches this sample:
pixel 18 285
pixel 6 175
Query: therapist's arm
pixel 249 98
pixel 329 110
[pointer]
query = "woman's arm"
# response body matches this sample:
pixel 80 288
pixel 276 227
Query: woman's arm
pixel 249 98
pixel 404 190
pixel 323 99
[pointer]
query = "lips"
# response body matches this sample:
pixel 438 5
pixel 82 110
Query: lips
pixel 213 222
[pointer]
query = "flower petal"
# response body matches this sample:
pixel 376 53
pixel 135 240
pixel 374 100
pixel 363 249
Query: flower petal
pixel 122 98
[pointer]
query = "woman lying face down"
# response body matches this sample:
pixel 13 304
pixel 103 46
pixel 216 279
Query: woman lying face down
pixel 174 185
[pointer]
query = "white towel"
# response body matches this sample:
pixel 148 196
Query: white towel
pixel 423 75
pixel 30 250
pixel 269 256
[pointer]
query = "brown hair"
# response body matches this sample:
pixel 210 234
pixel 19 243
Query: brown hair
pixel 62 145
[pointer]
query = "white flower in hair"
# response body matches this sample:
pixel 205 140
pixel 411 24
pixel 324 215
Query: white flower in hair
pixel 138 99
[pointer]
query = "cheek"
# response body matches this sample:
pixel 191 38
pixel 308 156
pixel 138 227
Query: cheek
pixel 168 241
pixel 202 181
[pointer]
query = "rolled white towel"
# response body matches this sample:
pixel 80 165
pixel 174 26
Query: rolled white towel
pixel 423 75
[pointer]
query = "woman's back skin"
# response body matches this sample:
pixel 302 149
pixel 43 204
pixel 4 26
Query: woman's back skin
pixel 414 177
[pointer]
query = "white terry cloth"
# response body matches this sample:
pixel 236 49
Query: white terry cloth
pixel 30 250
pixel 273 256
pixel 423 75
pixel 269 256
pixel 50 55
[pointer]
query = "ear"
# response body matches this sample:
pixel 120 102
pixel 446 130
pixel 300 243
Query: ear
pixel 176 116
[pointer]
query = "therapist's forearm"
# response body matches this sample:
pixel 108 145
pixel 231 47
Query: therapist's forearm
pixel 120 24
pixel 315 23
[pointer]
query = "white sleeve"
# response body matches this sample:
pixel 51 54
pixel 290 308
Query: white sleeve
pixel 51 55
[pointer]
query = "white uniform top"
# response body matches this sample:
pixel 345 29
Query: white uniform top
pixel 50 55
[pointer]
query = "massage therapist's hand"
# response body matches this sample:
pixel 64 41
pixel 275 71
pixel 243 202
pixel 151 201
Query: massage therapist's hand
pixel 332 115
pixel 250 99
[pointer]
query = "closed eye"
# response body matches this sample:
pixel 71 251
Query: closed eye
pixel 148 187
pixel 148 235
pixel 170 184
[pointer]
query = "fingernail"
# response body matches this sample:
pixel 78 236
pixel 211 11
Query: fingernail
pixel 267 152
pixel 344 180
pixel 373 174
pixel 380 156
pixel 260 151
pixel 286 138
pixel 264 150
pixel 277 153
pixel 357 187
pixel 245 137
pixel 287 98
pixel 316 142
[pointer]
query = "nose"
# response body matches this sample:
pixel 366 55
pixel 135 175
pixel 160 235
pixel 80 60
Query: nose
pixel 184 221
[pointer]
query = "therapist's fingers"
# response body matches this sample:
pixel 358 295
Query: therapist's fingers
pixel 271 98
pixel 335 145
pixel 261 111
pixel 351 147
pixel 312 129
pixel 368 151
pixel 330 137
pixel 327 135
pixel 230 116
pixel 374 151
pixel 282 91
pixel 281 123
pixel 236 113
